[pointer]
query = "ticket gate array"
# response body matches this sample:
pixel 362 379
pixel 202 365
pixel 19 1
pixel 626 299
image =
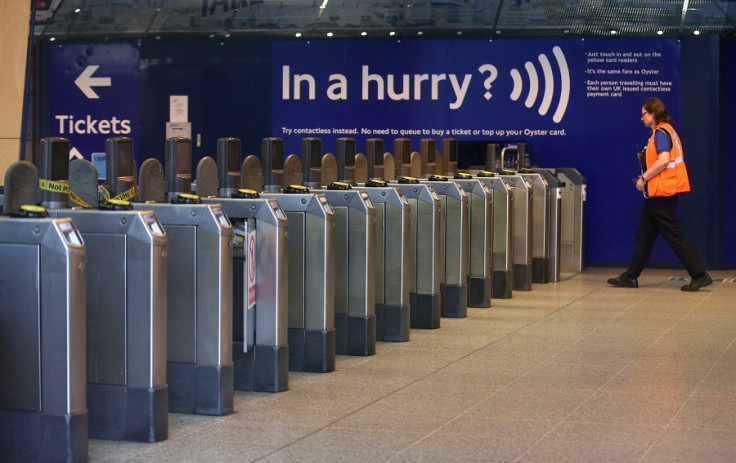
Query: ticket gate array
pixel 43 400
pixel 261 350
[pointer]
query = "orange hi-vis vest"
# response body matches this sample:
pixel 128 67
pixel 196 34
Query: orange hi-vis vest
pixel 673 179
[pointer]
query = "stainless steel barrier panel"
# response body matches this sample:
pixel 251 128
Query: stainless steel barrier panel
pixel 555 186
pixel 574 196
pixel 480 239
pixel 522 232
pixel 260 304
pixel 454 238
pixel 178 168
pixel 345 156
pixel 199 271
pixel 120 181
pixel 392 261
pixel 53 172
pixel 311 162
pixel 355 272
pixel 43 408
pixel 272 164
pixel 374 153
pixel 424 240
pixel 228 166
pixel 503 231
pixel 127 394
pixel 541 204
pixel 311 284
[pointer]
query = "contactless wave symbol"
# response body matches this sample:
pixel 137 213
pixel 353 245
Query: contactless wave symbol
pixel 549 84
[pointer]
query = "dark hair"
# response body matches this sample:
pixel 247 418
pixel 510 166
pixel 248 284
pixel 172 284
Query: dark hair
pixel 656 107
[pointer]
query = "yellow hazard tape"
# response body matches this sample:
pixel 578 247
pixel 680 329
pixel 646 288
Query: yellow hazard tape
pixel 125 195
pixel 75 197
pixel 50 185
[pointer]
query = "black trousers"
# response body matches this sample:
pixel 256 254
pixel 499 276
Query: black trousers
pixel 659 215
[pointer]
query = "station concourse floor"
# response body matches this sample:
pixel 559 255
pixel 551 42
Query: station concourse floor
pixel 574 371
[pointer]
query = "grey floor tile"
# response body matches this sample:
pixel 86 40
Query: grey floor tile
pixel 203 449
pixel 652 374
pixel 655 408
pixel 561 375
pixel 460 447
pixel 421 422
pixel 605 432
pixel 721 379
pixel 535 403
pixel 572 371
pixel 487 428
pixel 589 452
pixel 682 444
pixel 708 411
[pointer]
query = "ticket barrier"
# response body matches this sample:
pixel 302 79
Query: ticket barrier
pixel 554 218
pixel 199 368
pixel 355 282
pixel 311 279
pixel 43 405
pixel 354 230
pixel 541 226
pixel 503 233
pixel 311 256
pixel 572 233
pixel 480 239
pixel 522 229
pixel 424 240
pixel 127 394
pixel 453 250
pixel 392 260
pixel 260 301
pixel 199 295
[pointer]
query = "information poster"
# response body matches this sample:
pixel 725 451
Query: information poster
pixel 577 102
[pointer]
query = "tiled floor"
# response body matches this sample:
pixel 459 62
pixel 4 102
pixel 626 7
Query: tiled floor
pixel 574 371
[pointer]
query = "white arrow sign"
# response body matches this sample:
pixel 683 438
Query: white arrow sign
pixel 75 154
pixel 85 81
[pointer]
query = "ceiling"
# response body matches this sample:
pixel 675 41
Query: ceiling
pixel 381 18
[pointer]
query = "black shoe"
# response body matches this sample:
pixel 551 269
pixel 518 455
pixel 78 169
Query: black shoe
pixel 698 283
pixel 624 281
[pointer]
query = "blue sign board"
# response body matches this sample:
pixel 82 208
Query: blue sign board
pixel 577 102
pixel 93 95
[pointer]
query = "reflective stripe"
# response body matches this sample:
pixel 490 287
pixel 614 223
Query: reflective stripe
pixel 671 164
